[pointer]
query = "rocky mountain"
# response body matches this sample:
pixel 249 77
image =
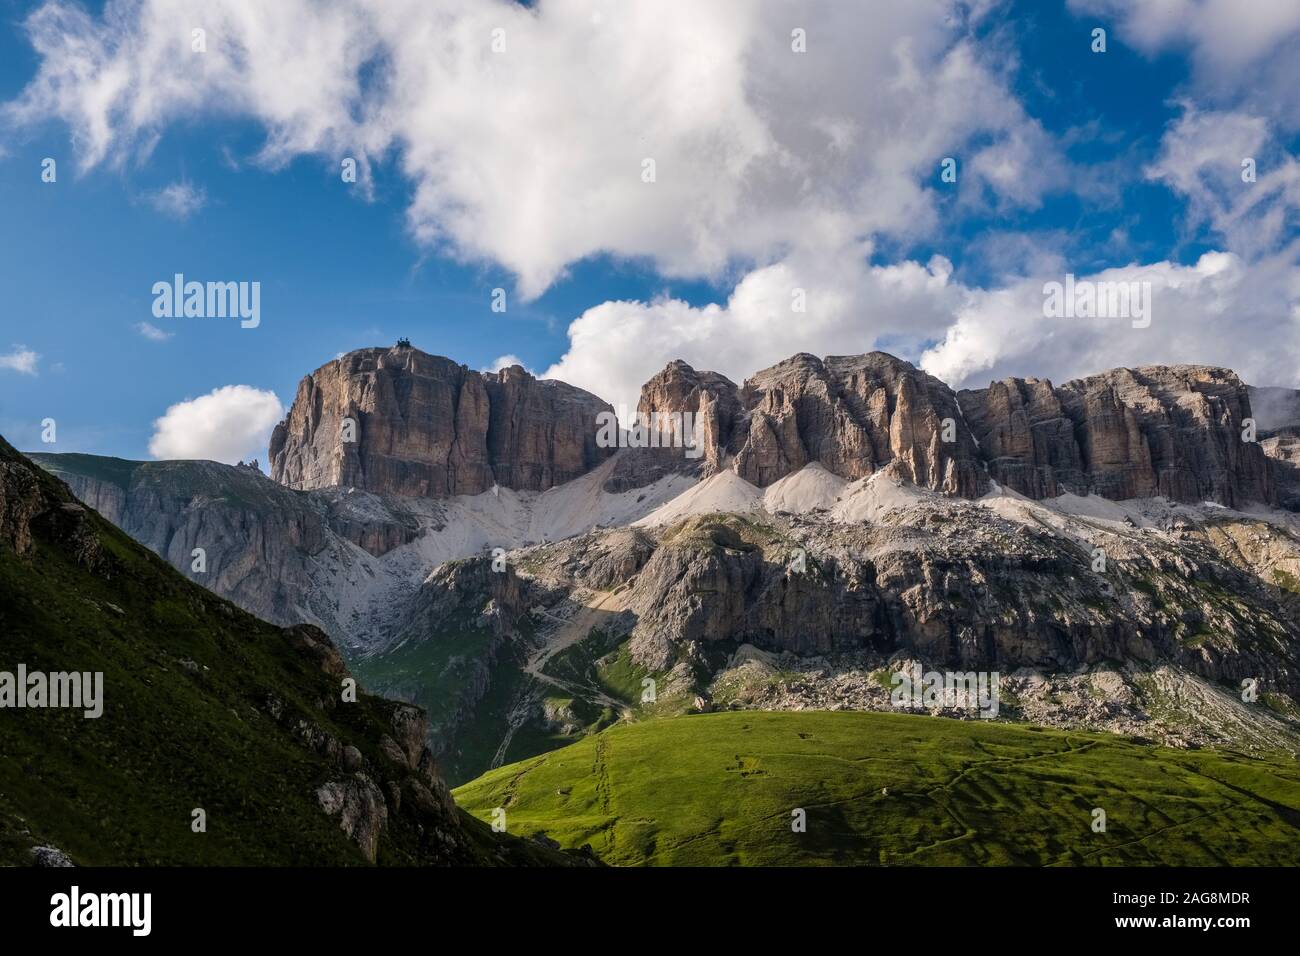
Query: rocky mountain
pixel 817 607
pixel 345 560
pixel 1175 432
pixel 424 426
pixel 1118 543
pixel 853 415
pixel 399 421
pixel 220 739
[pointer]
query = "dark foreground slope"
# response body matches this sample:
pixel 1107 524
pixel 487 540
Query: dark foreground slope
pixel 894 789
pixel 205 707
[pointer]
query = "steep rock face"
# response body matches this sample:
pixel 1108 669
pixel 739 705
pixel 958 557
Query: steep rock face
pixel 953 583
pixel 426 426
pixel 709 581
pixel 541 433
pixel 852 414
pixel 1025 438
pixel 1174 431
pixel 688 416
pixel 265 547
pixel 712 399
pixel 420 426
pixel 1277 413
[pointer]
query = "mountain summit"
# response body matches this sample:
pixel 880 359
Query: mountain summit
pixel 402 422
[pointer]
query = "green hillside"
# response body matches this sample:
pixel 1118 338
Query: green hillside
pixel 719 789
pixel 204 706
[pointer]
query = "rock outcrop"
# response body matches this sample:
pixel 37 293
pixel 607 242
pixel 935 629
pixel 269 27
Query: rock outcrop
pixel 399 421
pixel 854 415
pixel 958 585
pixel 715 579
pixel 1174 431
pixel 424 426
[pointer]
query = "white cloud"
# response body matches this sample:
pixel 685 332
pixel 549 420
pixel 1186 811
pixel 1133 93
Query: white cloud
pixel 784 169
pixel 505 361
pixel 1201 156
pixel 1236 307
pixel 849 307
pixel 532 157
pixel 1221 33
pixel 1221 311
pixel 228 424
pixel 180 200
pixel 20 359
pixel 152 332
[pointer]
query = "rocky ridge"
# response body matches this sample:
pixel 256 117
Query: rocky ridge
pixel 424 426
pixel 1171 431
pixel 854 415
pixel 1190 602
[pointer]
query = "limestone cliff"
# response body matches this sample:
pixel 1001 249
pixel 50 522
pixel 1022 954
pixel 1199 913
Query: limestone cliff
pixel 1174 431
pixel 399 421
pixel 852 414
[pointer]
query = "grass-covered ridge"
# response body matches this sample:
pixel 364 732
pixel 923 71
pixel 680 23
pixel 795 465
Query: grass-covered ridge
pixel 204 706
pixel 719 789
pixel 114 471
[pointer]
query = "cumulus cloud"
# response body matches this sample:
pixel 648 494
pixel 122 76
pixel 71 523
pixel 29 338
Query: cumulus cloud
pixel 152 332
pixel 1238 306
pixel 20 359
pixel 1202 156
pixel 826 304
pixel 775 170
pixel 180 200
pixel 1222 33
pixel 1219 311
pixel 504 361
pixel 228 424
pixel 534 157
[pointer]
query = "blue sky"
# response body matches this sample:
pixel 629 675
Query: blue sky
pixel 343 267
